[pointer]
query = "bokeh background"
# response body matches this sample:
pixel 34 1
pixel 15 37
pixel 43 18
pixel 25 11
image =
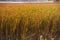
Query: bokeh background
pixel 29 21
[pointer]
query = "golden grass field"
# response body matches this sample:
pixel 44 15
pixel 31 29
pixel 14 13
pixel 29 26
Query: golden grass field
pixel 29 21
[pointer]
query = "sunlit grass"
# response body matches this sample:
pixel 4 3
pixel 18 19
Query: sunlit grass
pixel 25 18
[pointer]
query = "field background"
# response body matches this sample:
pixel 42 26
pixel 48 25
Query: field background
pixel 28 21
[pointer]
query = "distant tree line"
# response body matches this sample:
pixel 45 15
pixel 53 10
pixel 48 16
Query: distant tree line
pixel 23 0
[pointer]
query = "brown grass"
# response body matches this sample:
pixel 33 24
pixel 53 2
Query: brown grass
pixel 24 20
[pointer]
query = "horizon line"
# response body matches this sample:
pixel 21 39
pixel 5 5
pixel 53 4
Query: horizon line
pixel 27 2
